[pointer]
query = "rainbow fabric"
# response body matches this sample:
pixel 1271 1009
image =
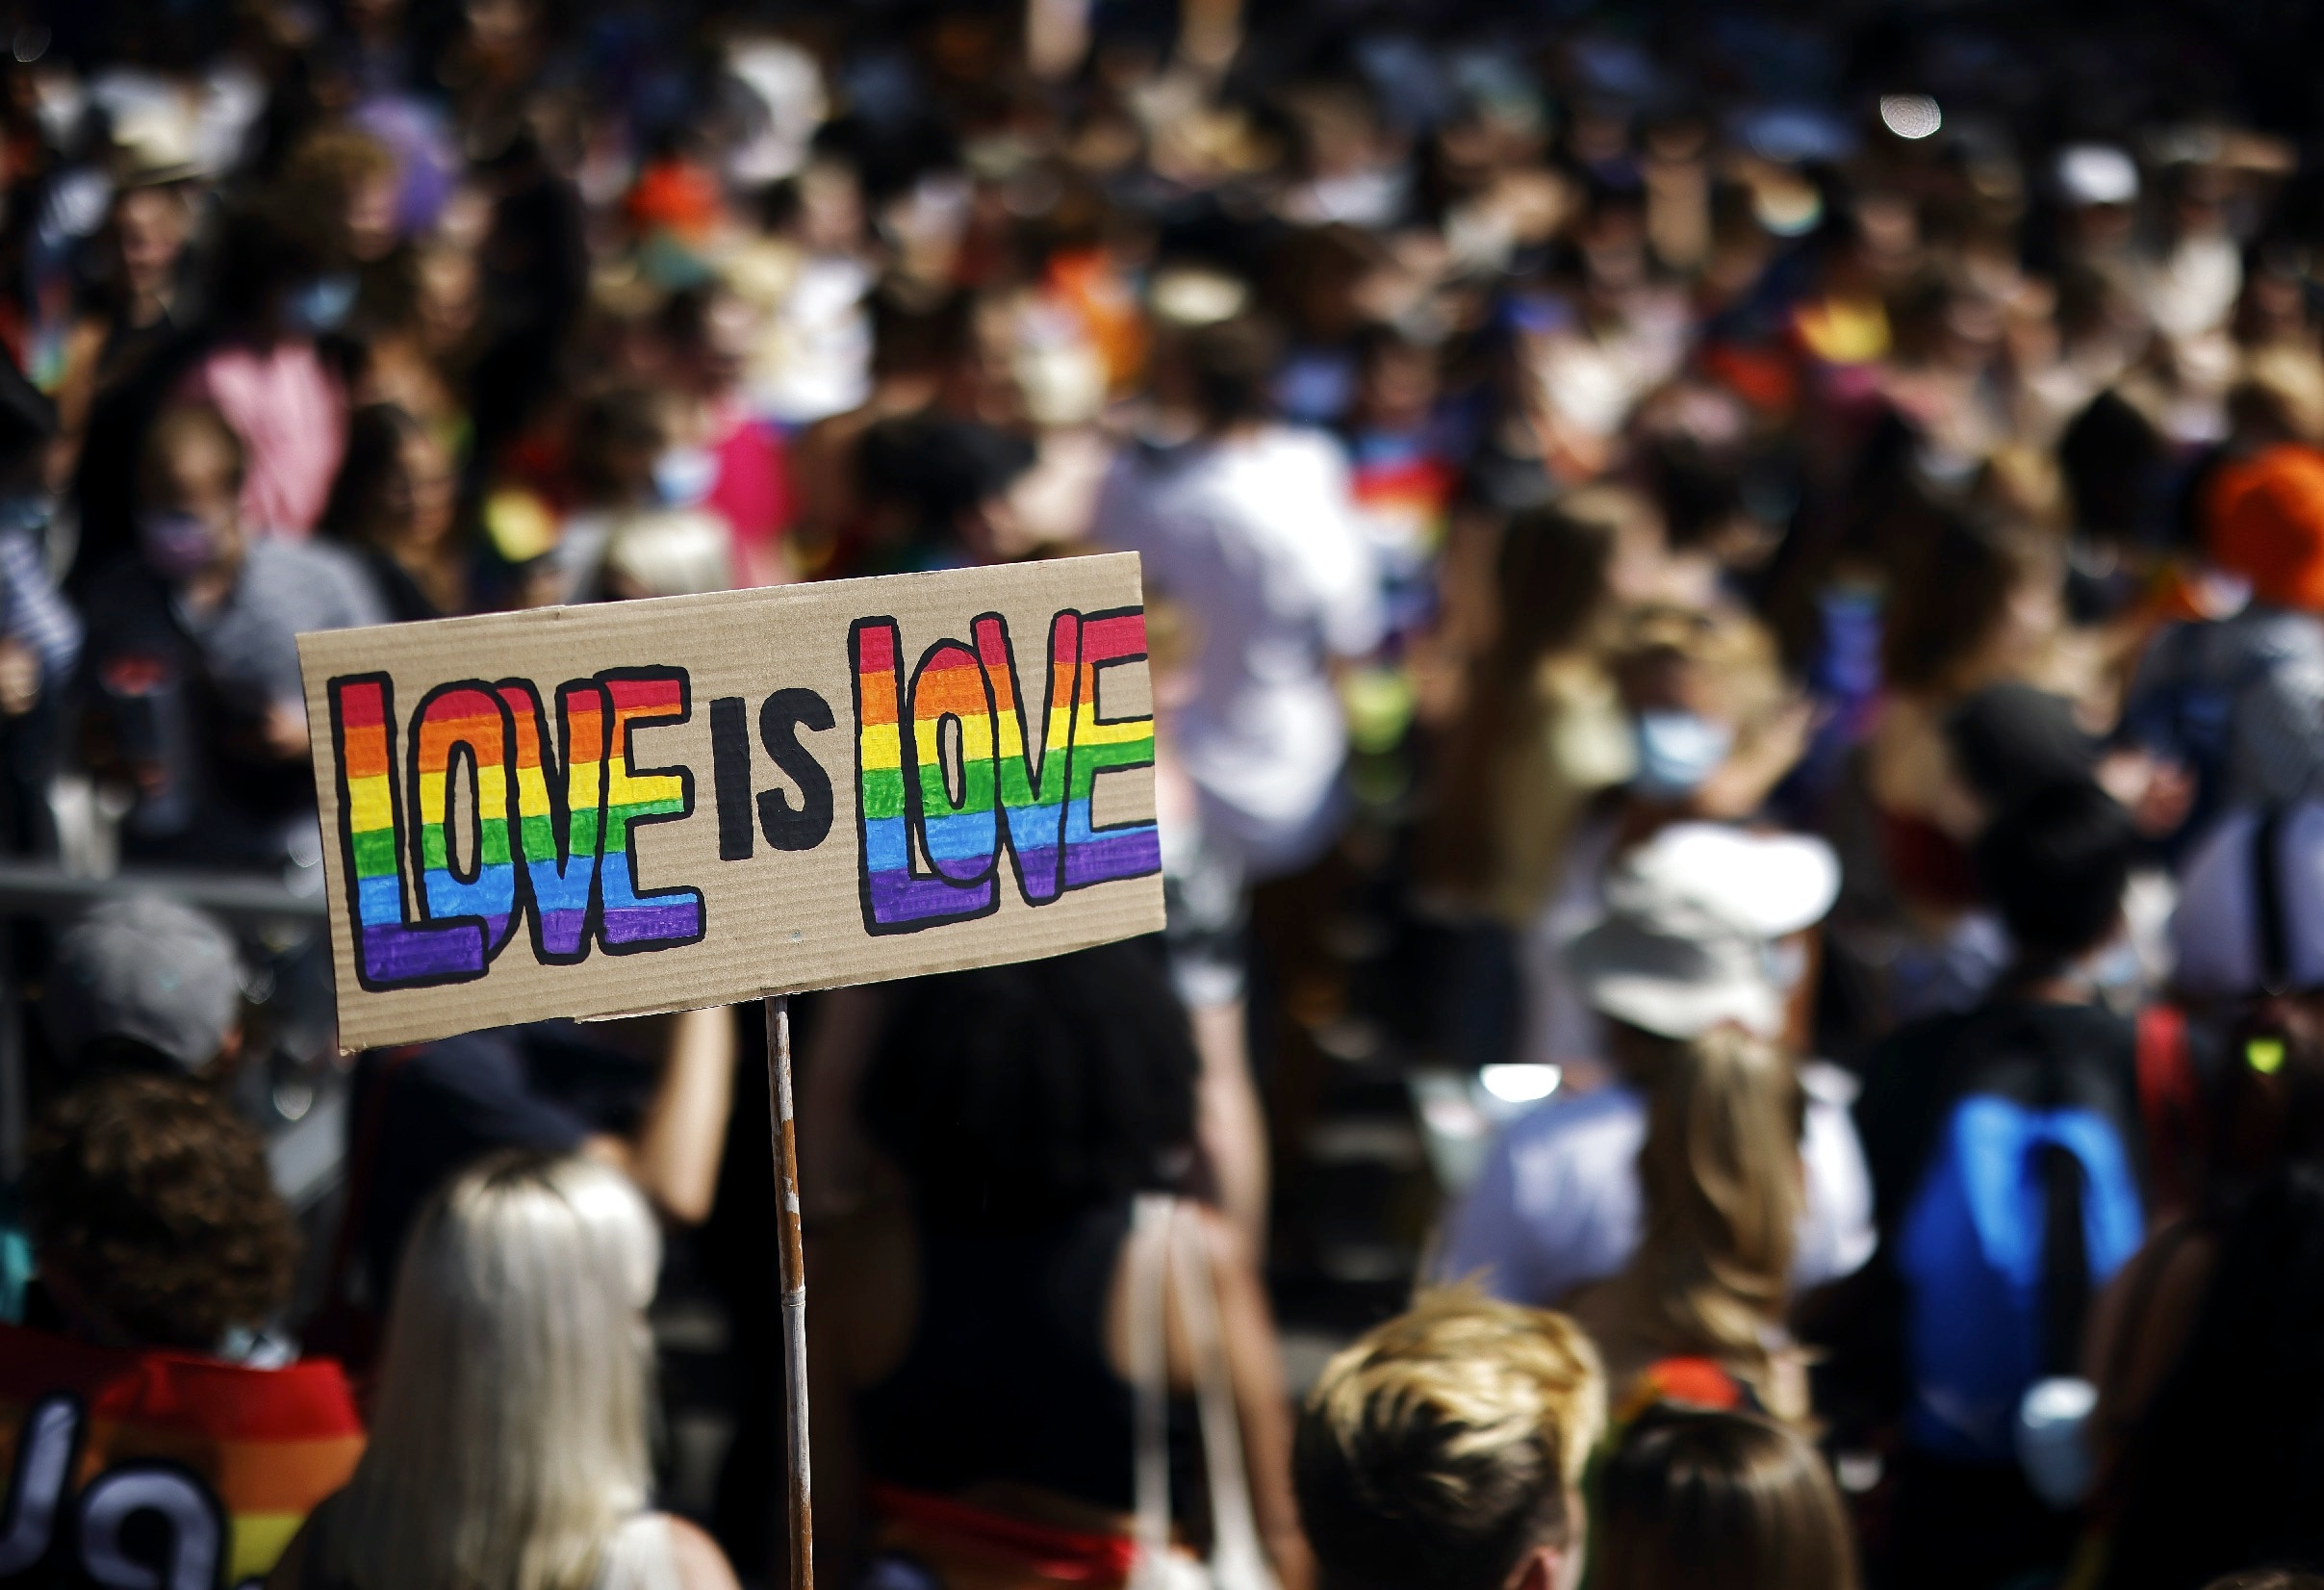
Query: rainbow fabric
pixel 561 873
pixel 634 921
pixel 1401 480
pixel 1044 804
pixel 262 1445
pixel 390 953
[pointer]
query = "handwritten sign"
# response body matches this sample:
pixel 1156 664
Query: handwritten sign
pixel 651 805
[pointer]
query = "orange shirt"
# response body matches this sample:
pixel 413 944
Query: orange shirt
pixel 2264 516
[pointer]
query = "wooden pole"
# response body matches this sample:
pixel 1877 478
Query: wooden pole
pixel 793 1249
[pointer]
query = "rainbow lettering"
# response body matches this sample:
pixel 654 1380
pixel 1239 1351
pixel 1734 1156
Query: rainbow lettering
pixel 391 951
pixel 1033 793
pixel 962 836
pixel 509 822
pixel 929 855
pixel 452 718
pixel 1096 855
pixel 562 872
pixel 570 833
pixel 634 796
pixel 894 897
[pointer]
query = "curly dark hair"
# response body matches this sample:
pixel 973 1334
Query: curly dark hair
pixel 151 1200
pixel 1017 1095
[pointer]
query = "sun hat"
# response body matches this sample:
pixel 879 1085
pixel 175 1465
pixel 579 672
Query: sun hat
pixel 1692 920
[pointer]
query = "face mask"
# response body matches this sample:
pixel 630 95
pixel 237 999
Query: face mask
pixel 683 477
pixel 319 305
pixel 1677 752
pixel 177 546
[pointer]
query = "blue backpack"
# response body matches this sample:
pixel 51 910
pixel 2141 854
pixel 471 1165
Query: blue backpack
pixel 2029 1201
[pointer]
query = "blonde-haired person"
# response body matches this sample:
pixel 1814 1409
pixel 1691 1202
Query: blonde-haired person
pixel 1698 1310
pixel 1445 1450
pixel 508 1438
pixel 1698 1500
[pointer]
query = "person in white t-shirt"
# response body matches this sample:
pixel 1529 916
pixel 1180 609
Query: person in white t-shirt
pixel 1249 526
pixel 1691 941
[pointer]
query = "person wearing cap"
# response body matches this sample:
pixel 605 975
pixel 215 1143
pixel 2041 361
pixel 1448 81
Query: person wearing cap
pixel 2096 188
pixel 144 984
pixel 1692 939
pixel 2238 694
pixel 150 1356
pixel 137 986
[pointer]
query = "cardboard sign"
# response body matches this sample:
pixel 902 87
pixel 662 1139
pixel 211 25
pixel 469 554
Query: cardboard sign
pixel 654 805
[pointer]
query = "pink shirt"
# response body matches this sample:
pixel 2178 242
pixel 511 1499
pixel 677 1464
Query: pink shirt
pixel 754 495
pixel 292 415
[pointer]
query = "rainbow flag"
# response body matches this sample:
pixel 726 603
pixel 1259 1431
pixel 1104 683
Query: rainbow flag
pixel 253 1450
pixel 1406 488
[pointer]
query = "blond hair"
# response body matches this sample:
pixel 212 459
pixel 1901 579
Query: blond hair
pixel 1442 1446
pixel 509 1442
pixel 1720 1180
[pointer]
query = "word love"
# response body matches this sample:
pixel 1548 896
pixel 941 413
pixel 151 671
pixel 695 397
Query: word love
pixel 953 767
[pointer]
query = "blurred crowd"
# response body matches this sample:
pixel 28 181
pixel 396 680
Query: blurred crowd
pixel 1736 604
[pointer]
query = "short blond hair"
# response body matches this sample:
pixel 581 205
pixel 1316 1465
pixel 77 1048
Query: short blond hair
pixel 1445 1444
